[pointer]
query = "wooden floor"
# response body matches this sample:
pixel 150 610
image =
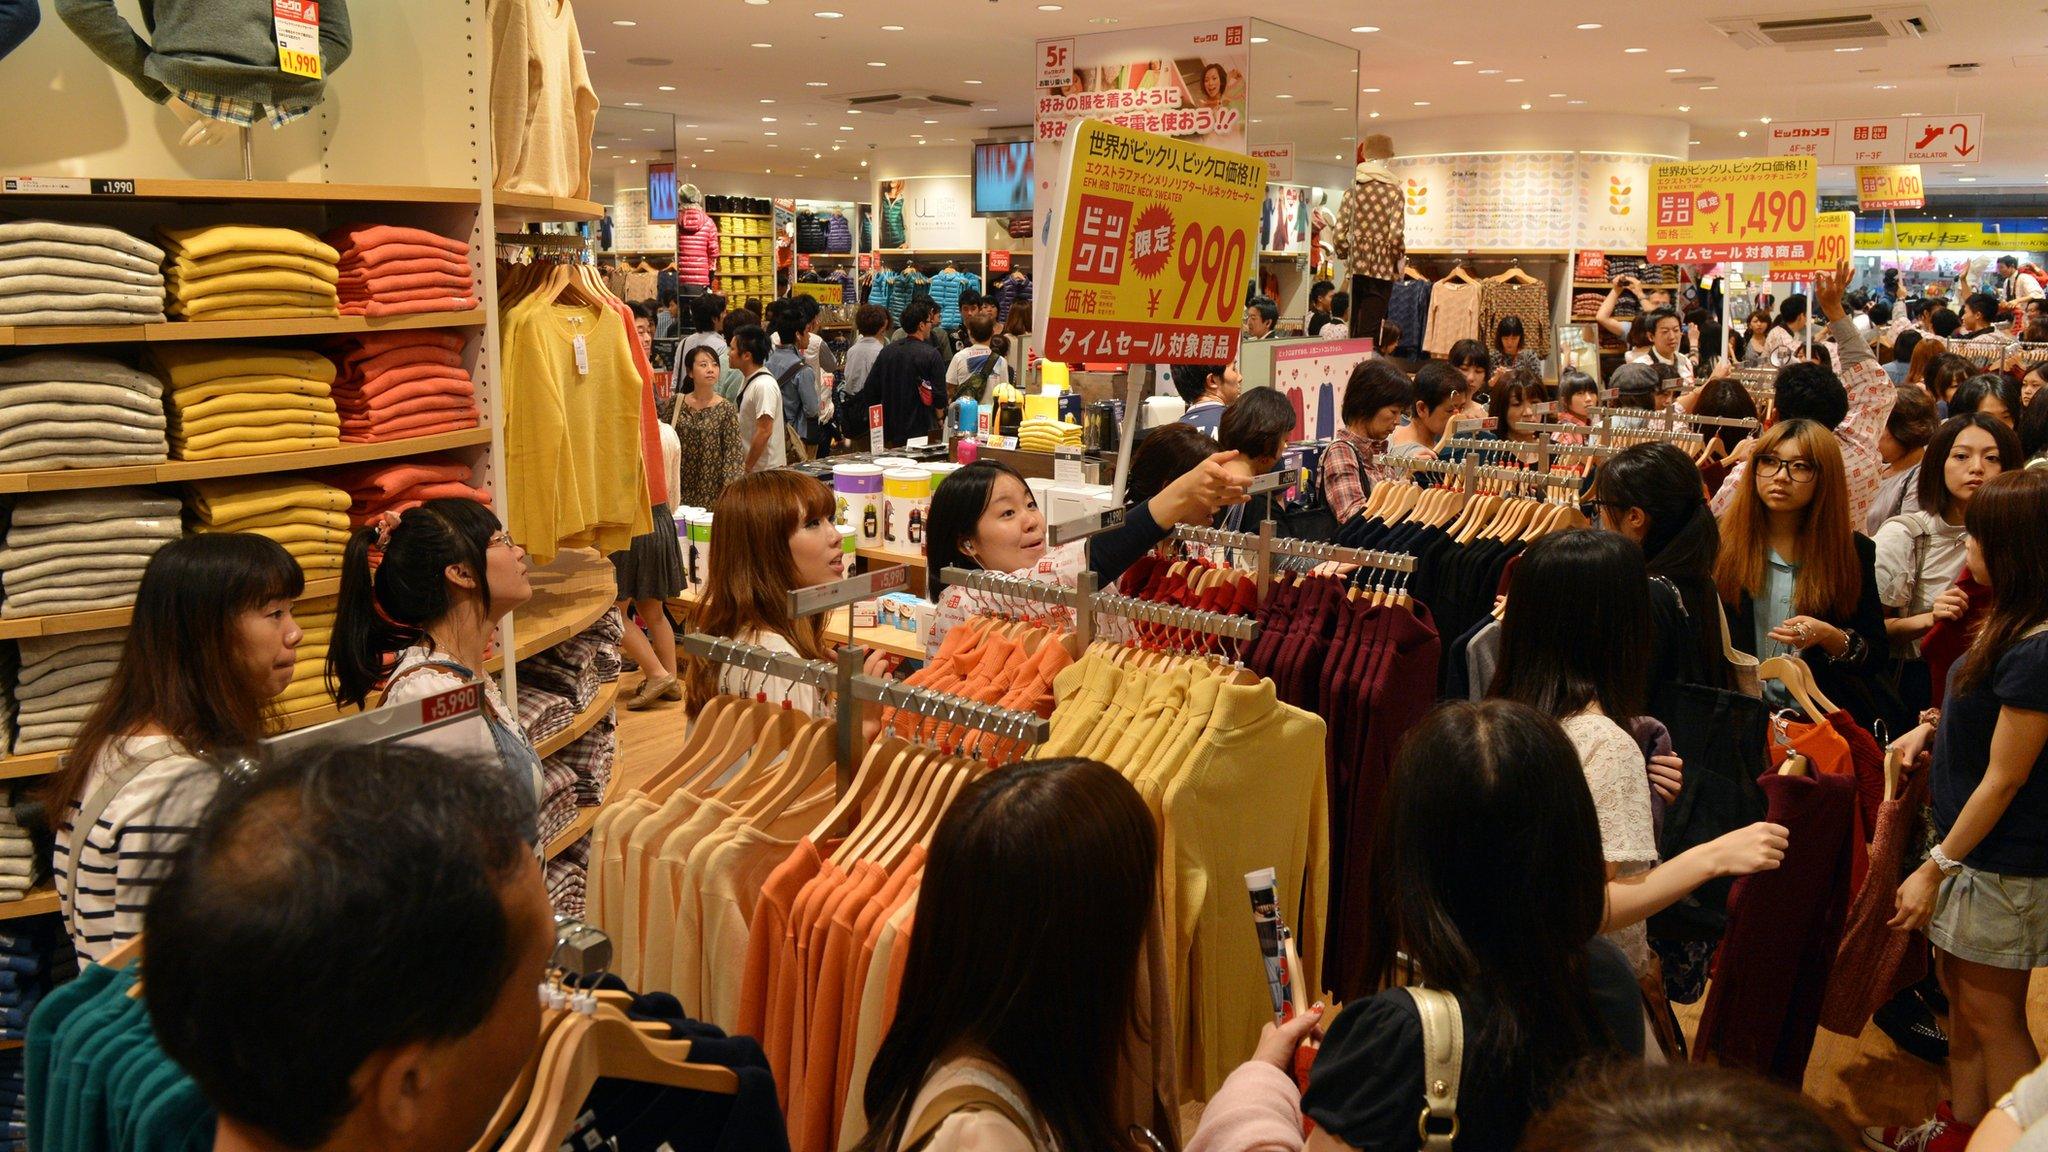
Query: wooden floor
pixel 1866 1080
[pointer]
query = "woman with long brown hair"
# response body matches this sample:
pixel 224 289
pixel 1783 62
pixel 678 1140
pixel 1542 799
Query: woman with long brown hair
pixel 1797 580
pixel 772 533
pixel 211 645
pixel 1982 895
pixel 1929 349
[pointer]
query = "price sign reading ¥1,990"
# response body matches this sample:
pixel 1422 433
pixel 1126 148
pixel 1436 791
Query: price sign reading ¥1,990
pixel 1834 242
pixel 1156 238
pixel 1752 209
pixel 298 36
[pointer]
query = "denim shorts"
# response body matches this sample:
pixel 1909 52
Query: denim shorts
pixel 1991 919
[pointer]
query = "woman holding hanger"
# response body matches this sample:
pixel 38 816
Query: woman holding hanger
pixel 1796 578
pixel 775 533
pixel 985 516
pixel 1980 895
pixel 449 572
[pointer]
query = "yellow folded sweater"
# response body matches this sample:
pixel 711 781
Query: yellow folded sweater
pixel 248 386
pixel 280 403
pixel 265 448
pixel 308 534
pixel 290 424
pixel 233 263
pixel 239 301
pixel 182 365
pixel 246 434
pixel 216 239
pixel 254 280
pixel 268 312
pixel 236 497
pixel 319 517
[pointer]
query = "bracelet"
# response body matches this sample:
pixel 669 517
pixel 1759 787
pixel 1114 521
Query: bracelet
pixel 1941 861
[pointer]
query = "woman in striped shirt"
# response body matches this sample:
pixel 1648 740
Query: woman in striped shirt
pixel 212 644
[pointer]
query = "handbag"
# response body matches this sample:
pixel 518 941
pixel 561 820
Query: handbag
pixel 1316 524
pixel 1443 1064
pixel 965 1098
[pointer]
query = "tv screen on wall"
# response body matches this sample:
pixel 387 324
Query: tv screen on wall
pixel 1002 178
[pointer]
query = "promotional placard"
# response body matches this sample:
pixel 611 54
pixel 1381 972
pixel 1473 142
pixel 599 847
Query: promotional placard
pixel 1159 238
pixel 937 215
pixel 1881 186
pixel 1312 377
pixel 1752 209
pixel 1279 160
pixel 1834 242
pixel 1896 140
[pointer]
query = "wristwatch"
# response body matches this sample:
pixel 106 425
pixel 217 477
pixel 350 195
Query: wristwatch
pixel 1948 867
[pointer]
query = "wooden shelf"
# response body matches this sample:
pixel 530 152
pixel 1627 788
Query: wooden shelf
pixel 12 1045
pixel 174 471
pixel 278 191
pixel 887 557
pixel 36 903
pixel 69 622
pixel 1610 284
pixel 524 208
pixel 894 641
pixel 586 819
pixel 33 764
pixel 568 596
pixel 182 331
pixel 601 705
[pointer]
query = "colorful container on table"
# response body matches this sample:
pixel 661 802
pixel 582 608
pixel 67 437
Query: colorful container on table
pixel 939 472
pixel 858 490
pixel 906 501
pixel 1041 407
pixel 697 548
pixel 849 540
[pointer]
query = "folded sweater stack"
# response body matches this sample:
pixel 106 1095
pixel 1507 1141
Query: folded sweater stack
pixel 65 409
pixel 250 272
pixel 309 518
pixel 387 270
pixel 308 689
pixel 399 385
pixel 394 486
pixel 81 551
pixel 61 679
pixel 1044 435
pixel 53 272
pixel 246 400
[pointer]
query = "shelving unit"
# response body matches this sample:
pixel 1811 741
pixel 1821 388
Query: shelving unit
pixel 36 903
pixel 270 191
pixel 517 208
pixel 175 471
pixel 186 331
pixel 568 596
pixel 586 818
pixel 746 250
pixel 600 706
pixel 63 624
pixel 894 641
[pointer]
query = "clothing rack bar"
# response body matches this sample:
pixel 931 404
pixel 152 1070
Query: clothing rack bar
pixel 1074 600
pixel 1749 422
pixel 1009 723
pixel 1303 549
pixel 754 658
pixel 1186 619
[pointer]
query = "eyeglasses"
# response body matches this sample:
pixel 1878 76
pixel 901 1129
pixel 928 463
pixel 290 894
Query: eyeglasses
pixel 1801 471
pixel 501 538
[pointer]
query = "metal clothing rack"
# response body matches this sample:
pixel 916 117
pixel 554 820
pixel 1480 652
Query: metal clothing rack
pixel 1670 417
pixel 544 247
pixel 1266 544
pixel 1087 603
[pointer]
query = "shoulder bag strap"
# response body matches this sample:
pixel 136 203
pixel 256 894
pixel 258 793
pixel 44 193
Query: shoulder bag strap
pixel 1443 1063
pixel 95 805
pixel 965 1098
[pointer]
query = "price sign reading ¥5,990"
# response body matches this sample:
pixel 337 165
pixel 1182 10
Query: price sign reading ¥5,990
pixel 1834 242
pixel 1754 209
pixel 1156 239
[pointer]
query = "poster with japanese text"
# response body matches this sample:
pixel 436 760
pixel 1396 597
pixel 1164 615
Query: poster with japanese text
pixel 1160 234
pixel 1834 242
pixel 1491 200
pixel 1312 377
pixel 1759 208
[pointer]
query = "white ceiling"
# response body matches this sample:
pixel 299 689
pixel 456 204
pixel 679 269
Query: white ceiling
pixel 721 83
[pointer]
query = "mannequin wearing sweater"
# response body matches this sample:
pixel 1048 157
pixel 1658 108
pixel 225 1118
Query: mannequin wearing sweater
pixel 1370 235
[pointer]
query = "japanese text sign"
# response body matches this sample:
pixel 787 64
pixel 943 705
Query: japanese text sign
pixel 1834 242
pixel 1880 186
pixel 1155 248
pixel 1899 140
pixel 1751 209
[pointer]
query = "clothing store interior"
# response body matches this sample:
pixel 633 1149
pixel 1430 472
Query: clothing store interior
pixel 834 576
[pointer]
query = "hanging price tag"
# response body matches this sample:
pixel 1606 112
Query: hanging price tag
pixel 298 36
pixel 582 357
pixel 1835 242
pixel 875 429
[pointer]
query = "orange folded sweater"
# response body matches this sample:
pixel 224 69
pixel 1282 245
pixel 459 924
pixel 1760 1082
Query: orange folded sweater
pixel 411 307
pixel 399 295
pixel 380 435
pixel 380 419
pixel 378 285
pixel 359 270
pixel 368 369
pixel 387 380
pixel 406 393
pixel 372 344
pixel 370 237
pixel 381 481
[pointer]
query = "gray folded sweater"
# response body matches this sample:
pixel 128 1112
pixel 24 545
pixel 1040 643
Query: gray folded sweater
pixel 131 502
pixel 36 421
pixel 64 573
pixel 59 677
pixel 130 428
pixel 58 704
pixel 14 397
pixel 14 303
pixel 63 232
pixel 87 581
pixel 85 253
pixel 91 318
pixel 24 285
pixel 99 644
pixel 14 611
pixel 80 554
pixel 153 528
pixel 87 368
pixel 81 271
pixel 92 453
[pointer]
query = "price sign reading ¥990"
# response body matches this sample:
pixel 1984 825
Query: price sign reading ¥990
pixel 1834 242
pixel 1155 243
pixel 1753 209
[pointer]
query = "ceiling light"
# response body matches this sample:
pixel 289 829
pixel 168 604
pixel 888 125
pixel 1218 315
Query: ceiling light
pixel 1050 7
pixel 774 145
pixel 1340 108
pixel 1283 96
pixel 647 129
pixel 664 87
pixel 835 147
pixel 828 15
pixel 1673 71
pixel 771 133
pixel 1966 179
pixel 1692 142
pixel 1456 63
pixel 689 125
pixel 846 127
pixel 1886 87
pixel 1516 80
pixel 878 63
pixel 1848 49
pixel 1765 119
pixel 707 151
pixel 625 23
pixel 852 112
pixel 888 28
pixel 1365 28
pixel 1489 71
pixel 1744 133
pixel 604 147
pixel 1685 107
pixel 1586 27
pixel 814 84
pixel 1634 51
pixel 633 104
pixel 970 81
pixel 1557 95
pixel 758 3
pixel 817 155
pixel 989 108
pixel 917 135
pixel 1372 116
pixel 1422 103
pixel 767 119
pixel 920 143
pixel 590 51
pixel 863 163
pixel 931 121
pixel 702 139
pixel 1710 87
pixel 1375 90
pixel 759 44
pixel 1258 39
pixel 1575 101
pixel 1526 107
pixel 767 100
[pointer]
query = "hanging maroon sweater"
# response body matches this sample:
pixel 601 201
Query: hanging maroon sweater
pixel 1946 642
pixel 1784 928
pixel 1876 961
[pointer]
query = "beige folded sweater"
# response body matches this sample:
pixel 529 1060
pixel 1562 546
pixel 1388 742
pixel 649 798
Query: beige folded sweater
pixel 94 254
pixel 45 508
pixel 81 272
pixel 81 367
pixel 61 232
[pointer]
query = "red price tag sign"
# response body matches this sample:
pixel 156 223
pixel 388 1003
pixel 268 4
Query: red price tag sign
pixel 297 23
pixel 1154 245
pixel 875 429
pixel 1882 186
pixel 1754 209
pixel 453 702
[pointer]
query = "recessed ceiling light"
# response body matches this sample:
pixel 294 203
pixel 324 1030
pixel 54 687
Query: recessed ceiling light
pixel 590 51
pixel 1526 107
pixel 917 135
pixel 689 125
pixel 774 145
pixel 1374 90
pixel 835 147
pixel 1966 179
pixel 1848 49
pixel 846 127
pixel 1744 133
pixel 635 160
pixel 1258 39
pixel 815 84
pixel 1557 95
pixel 970 81
pixel 1886 87
pixel 1372 115
pixel 852 112
pixel 707 151
pixel 1692 142
pixel 1710 87
pixel 828 15
pixel 988 108
pixel 1456 63
pixel 647 129
pixel 1365 28
pixel 633 104
pixel 771 133
pixel 817 155
pixel 604 147
pixel 702 139
pixel 1586 27
pixel 1634 51
pixel 892 27
pixel 1516 80
pixel 767 100
pixel 1489 71
pixel 664 87
pixel 1283 95
pixel 1050 7
pixel 863 163
pixel 878 63
pixel 1575 101
pixel 1421 103
pixel 1673 71
pixel 1765 119
pixel 761 44
pixel 625 23
pixel 931 121
pixel 1685 107
pixel 1256 120
pixel 1340 109
pixel 767 119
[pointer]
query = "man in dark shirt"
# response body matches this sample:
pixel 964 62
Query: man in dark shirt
pixel 908 379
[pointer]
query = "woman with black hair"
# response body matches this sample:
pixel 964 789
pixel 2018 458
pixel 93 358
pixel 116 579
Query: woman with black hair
pixel 1511 346
pixel 1651 494
pixel 449 571
pixel 1992 393
pixel 1475 363
pixel 1588 668
pixel 985 516
pixel 1255 426
pixel 211 645
pixel 1749 343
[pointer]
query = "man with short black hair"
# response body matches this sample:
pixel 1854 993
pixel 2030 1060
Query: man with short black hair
pixel 1661 353
pixel 760 399
pixel 1980 312
pixel 2015 285
pixel 1319 310
pixel 346 951
pixel 908 379
pixel 1260 319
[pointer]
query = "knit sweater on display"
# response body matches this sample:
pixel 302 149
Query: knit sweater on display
pixel 139 254
pixel 358 238
pixel 543 109
pixel 241 303
pixel 17 303
pixel 236 497
pixel 94 504
pixel 198 244
pixel 412 307
pixel 64 284
pixel 186 365
pixel 32 434
pixel 39 367
pixel 75 270
pixel 164 528
pixel 239 284
pixel 237 263
pixel 226 50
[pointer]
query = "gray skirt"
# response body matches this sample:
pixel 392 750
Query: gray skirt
pixel 651 568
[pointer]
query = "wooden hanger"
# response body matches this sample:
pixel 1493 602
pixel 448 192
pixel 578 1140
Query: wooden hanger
pixel 1795 765
pixel 1458 275
pixel 1514 275
pixel 810 757
pixel 607 1045
pixel 1408 272
pixel 865 781
pixel 1791 671
pixel 517 1097
pixel 899 779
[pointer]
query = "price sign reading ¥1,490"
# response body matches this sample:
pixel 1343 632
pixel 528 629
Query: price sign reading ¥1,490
pixel 1754 209
pixel 1155 242
pixel 1834 242
pixel 1881 186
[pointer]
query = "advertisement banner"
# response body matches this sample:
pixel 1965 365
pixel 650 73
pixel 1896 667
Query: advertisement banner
pixel 661 193
pixel 1312 377
pixel 934 213
pixel 2021 235
pixel 1896 140
pixel 1184 80
pixel 1158 240
pixel 1752 209
pixel 1834 242
pixel 1881 186
pixel 1517 200
pixel 1614 192
pixel 822 293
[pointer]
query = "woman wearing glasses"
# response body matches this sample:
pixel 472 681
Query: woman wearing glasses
pixel 449 570
pixel 1796 579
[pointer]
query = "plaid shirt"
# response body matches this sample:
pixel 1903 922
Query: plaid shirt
pixel 1871 395
pixel 1347 475
pixel 246 113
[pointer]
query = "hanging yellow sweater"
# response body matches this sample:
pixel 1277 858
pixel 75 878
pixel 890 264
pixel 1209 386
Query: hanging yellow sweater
pixel 234 263
pixel 219 239
pixel 1257 755
pixel 183 365
pixel 1082 691
pixel 572 435
pixel 236 497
